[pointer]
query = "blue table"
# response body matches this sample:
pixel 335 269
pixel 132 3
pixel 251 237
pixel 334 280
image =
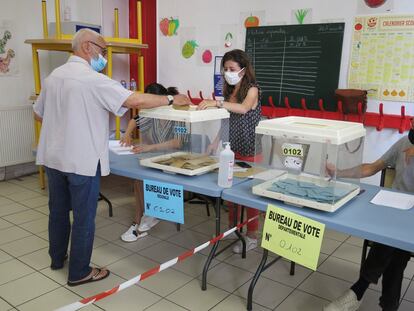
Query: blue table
pixel 206 184
pixel 358 217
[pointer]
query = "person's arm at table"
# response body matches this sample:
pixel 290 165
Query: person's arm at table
pixel 361 171
pixel 145 101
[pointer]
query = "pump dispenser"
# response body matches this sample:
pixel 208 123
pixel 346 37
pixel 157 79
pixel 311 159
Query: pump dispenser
pixel 225 176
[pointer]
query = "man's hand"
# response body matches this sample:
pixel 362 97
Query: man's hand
pixel 206 103
pixel 143 148
pixel 181 100
pixel 409 153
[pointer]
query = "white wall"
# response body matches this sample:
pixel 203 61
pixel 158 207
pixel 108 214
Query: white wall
pixel 208 16
pixel 121 62
pixel 26 16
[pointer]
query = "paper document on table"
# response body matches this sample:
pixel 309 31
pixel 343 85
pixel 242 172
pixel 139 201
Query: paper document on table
pixel 115 147
pixel 394 199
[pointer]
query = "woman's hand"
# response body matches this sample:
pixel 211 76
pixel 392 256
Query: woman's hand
pixel 212 148
pixel 207 103
pixel 143 148
pixel 126 141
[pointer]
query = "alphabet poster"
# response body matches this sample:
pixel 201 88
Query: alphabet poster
pixel 382 57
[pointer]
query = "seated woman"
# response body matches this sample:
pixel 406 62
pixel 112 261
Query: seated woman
pixel 156 135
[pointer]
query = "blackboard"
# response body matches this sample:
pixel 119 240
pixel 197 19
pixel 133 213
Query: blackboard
pixel 297 61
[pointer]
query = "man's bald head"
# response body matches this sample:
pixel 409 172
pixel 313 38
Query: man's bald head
pixel 85 35
pixel 88 44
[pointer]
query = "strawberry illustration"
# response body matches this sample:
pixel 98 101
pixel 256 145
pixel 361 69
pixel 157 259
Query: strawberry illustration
pixel 164 26
pixel 189 48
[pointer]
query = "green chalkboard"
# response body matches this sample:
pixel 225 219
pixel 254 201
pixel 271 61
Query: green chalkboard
pixel 297 61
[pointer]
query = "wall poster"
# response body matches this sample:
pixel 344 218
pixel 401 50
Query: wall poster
pixel 8 53
pixel 382 57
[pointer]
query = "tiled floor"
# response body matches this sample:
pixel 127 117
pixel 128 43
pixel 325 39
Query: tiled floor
pixel 27 282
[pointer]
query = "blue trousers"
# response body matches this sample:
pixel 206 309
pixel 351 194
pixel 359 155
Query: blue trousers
pixel 68 191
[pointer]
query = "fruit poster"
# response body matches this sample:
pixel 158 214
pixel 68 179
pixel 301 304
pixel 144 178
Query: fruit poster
pixel 8 48
pixel 205 55
pixel 169 26
pixel 188 42
pixel 250 19
pixel 366 7
pixel 301 16
pixel 228 37
pixel 382 57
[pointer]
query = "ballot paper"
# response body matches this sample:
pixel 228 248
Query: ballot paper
pixel 398 200
pixel 237 169
pixel 116 148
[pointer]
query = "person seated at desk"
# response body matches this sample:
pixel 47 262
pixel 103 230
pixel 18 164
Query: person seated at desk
pixel 386 261
pixel 157 135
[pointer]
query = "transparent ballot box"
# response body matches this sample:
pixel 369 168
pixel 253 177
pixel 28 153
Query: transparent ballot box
pixel 309 162
pixel 181 141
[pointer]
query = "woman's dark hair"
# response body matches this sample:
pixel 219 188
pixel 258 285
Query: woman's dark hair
pixel 241 58
pixel 159 89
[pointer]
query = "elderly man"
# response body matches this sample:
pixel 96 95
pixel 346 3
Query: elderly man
pixel 74 106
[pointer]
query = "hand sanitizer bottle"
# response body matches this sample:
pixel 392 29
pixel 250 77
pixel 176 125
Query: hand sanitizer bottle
pixel 225 176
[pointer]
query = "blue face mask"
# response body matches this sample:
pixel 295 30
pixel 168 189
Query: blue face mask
pixel 98 64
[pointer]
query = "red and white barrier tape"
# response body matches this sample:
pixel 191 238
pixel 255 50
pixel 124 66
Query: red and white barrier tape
pixel 90 300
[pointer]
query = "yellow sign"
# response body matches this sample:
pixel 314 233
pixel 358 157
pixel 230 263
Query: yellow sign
pixel 295 150
pixel 292 236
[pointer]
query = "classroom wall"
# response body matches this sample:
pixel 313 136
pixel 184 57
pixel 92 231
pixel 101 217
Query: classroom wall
pixel 207 17
pixel 27 18
pixel 19 87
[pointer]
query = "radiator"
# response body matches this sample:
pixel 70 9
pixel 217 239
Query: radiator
pixel 16 135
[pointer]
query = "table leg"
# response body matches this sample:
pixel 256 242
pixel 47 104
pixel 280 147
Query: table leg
pixel 262 267
pixel 255 279
pixel 215 246
pixel 102 197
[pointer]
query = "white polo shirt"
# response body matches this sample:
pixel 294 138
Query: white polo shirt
pixel 75 103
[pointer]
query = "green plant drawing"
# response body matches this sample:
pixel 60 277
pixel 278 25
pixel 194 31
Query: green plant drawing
pixel 301 14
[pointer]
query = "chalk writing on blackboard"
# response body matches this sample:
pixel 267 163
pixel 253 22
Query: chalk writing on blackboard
pixel 296 61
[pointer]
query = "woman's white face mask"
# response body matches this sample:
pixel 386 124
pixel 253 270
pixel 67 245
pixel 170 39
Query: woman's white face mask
pixel 232 77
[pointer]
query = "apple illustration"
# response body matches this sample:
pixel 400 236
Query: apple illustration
pixel 207 56
pixel 251 21
pixel 164 25
pixel 374 3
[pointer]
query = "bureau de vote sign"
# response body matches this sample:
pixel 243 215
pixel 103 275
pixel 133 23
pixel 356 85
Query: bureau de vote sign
pixel 164 201
pixel 292 236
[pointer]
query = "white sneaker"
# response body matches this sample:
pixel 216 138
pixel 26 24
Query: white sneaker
pixel 147 222
pixel 132 234
pixel 250 244
pixel 347 302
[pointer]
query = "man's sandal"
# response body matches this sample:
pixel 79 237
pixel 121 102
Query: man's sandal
pixel 97 274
